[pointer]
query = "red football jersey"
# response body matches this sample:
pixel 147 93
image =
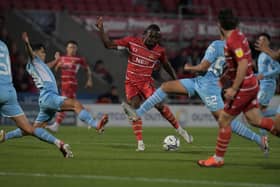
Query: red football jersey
pixel 69 66
pixel 141 60
pixel 236 49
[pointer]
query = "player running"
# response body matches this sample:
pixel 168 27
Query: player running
pixel 69 65
pixel 144 52
pixel 49 100
pixel 241 96
pixel 206 86
pixel 268 71
pixel 9 107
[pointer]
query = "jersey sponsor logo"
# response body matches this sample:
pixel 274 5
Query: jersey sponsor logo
pixel 239 52
pixel 140 61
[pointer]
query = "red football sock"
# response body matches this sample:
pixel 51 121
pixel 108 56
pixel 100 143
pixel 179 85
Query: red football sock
pixel 59 118
pixel 267 123
pixel 137 129
pixel 223 140
pixel 167 114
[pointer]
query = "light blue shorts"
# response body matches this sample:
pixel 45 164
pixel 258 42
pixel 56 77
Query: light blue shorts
pixel 49 104
pixel 266 93
pixel 210 93
pixel 9 106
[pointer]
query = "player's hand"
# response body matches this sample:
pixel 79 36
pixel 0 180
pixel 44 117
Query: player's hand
pixel 25 37
pixel 89 84
pixel 99 23
pixel 57 55
pixel 230 93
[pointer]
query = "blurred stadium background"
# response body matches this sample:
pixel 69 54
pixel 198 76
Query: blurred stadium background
pixel 188 26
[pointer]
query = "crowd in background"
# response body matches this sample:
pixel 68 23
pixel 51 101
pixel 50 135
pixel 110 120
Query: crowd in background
pixel 191 54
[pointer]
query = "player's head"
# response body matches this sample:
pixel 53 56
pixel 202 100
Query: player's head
pixel 152 36
pixel 71 48
pixel 227 20
pixel 39 50
pixel 264 37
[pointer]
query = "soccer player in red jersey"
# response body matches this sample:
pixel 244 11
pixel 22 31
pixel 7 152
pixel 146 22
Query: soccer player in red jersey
pixel 69 65
pixel 241 96
pixel 144 54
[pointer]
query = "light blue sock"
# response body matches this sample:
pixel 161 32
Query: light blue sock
pixel 44 135
pixel 154 99
pixel 17 133
pixel 86 117
pixel 242 130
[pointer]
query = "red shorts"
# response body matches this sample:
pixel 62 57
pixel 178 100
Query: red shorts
pixel 69 91
pixel 243 102
pixel 143 89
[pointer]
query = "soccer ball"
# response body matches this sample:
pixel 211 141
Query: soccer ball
pixel 171 143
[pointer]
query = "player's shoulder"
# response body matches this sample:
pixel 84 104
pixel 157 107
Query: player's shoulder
pixel 3 46
pixel 159 48
pixel 236 36
pixel 133 39
pixel 217 44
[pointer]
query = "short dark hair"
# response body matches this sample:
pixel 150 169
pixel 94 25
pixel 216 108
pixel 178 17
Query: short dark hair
pixel 265 35
pixel 38 46
pixel 71 42
pixel 227 19
pixel 152 27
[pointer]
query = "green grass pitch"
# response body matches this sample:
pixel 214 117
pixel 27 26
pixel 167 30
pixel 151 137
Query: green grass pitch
pixel 110 160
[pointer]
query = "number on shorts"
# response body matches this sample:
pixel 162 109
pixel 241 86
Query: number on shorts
pixel 211 100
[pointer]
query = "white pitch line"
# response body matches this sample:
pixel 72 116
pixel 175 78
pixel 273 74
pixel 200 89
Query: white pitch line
pixel 139 179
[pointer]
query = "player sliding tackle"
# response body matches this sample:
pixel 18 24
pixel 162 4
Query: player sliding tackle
pixel 49 100
pixel 145 53
pixel 207 87
pixel 9 107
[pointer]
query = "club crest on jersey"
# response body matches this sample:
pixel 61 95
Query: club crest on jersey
pixel 239 52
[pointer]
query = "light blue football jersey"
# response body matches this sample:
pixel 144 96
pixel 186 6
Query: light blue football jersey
pixel 5 65
pixel 215 55
pixel 42 76
pixel 268 67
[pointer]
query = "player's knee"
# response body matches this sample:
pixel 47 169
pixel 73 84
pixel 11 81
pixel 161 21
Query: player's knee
pixel 159 106
pixel 29 130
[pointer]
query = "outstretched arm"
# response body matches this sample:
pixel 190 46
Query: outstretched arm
pixel 89 78
pixel 53 63
pixel 169 69
pixel 262 46
pixel 104 37
pixel 28 47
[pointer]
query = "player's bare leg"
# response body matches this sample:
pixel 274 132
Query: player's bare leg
pixel 273 126
pixel 84 115
pixel 26 129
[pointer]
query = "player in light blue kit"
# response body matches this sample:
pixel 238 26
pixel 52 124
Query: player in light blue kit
pixel 268 71
pixel 49 100
pixel 9 107
pixel 206 86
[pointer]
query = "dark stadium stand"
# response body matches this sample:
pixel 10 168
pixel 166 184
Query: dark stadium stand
pixel 248 8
